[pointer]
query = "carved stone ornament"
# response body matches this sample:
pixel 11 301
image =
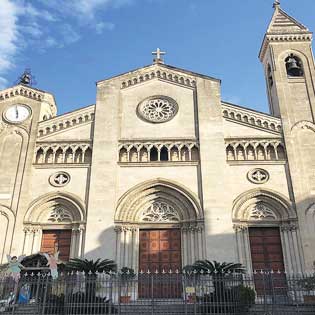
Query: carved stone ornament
pixel 59 179
pixel 59 214
pixel 157 109
pixel 160 212
pixel 262 212
pixel 258 176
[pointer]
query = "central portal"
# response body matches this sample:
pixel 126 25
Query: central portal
pixel 160 254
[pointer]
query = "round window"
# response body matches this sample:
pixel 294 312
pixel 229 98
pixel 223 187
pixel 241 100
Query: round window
pixel 59 179
pixel 157 109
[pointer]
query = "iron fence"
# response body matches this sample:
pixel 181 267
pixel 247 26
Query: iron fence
pixel 158 293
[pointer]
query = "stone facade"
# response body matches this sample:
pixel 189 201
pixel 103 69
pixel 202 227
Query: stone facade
pixel 161 150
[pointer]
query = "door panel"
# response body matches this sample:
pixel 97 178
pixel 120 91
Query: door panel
pixel 54 240
pixel 266 251
pixel 160 250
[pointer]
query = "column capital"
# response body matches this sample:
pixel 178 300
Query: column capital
pixel 240 227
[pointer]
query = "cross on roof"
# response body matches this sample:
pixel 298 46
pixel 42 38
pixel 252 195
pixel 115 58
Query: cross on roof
pixel 158 54
pixel 276 3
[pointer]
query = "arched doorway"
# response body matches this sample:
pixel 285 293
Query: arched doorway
pixel 159 225
pixel 267 233
pixel 55 222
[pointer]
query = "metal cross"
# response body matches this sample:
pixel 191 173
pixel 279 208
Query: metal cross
pixel 276 3
pixel 158 54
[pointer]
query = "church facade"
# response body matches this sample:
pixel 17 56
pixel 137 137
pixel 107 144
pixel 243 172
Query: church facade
pixel 161 172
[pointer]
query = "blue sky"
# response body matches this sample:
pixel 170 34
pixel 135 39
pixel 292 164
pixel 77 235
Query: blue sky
pixel 71 44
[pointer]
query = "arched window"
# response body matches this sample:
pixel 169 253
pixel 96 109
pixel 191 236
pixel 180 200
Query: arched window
pixel 294 66
pixel 269 76
pixel 164 154
pixel 154 154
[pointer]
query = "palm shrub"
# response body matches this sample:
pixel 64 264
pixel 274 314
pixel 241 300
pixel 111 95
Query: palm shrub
pixel 218 271
pixel 90 268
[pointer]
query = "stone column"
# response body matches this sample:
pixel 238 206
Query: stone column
pixel 128 247
pixel 118 231
pixel 296 248
pixel 239 244
pixel 81 240
pixel 135 249
pixel 287 255
pixel 184 246
pixel 192 244
pixel 199 242
pixel 74 242
pixel 37 231
pixel 28 241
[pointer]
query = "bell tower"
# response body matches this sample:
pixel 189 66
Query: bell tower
pixel 287 57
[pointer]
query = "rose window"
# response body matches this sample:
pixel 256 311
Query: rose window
pixel 158 109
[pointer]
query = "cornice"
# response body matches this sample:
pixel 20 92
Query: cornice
pixel 66 121
pixel 251 118
pixel 289 37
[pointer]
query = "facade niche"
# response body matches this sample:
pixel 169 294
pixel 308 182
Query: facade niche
pixel 294 66
pixel 252 151
pixel 154 155
pixel 65 154
pixel 164 154
pixel 181 152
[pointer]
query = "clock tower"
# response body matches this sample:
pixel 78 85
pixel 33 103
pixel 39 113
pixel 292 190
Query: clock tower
pixel 21 108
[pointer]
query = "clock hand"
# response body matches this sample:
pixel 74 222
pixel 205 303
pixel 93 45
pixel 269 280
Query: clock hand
pixel 16 112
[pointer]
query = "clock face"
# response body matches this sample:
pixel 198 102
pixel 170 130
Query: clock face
pixel 17 113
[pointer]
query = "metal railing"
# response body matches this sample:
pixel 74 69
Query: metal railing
pixel 157 293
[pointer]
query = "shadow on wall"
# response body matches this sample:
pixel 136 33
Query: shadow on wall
pixel 221 247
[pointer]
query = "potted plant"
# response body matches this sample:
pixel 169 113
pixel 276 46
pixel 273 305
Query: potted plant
pixel 308 284
pixel 126 276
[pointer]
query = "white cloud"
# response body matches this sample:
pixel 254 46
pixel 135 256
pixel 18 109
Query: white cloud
pixel 46 24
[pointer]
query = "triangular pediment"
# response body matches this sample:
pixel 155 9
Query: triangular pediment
pixel 158 71
pixel 283 23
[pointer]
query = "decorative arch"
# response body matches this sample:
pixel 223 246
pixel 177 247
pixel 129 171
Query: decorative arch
pixel 42 207
pixel 263 208
pixel 7 222
pixel 303 125
pixel 55 211
pixel 276 206
pixel 158 204
pixel 297 53
pixel 141 197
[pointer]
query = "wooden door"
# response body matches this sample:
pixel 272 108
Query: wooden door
pixel 160 253
pixel 267 256
pixel 57 240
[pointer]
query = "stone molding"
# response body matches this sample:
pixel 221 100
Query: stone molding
pixel 22 91
pixel 66 121
pixel 138 151
pixel 303 125
pixel 255 149
pixel 160 74
pixel 269 38
pixel 280 206
pixel 251 118
pixel 63 152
